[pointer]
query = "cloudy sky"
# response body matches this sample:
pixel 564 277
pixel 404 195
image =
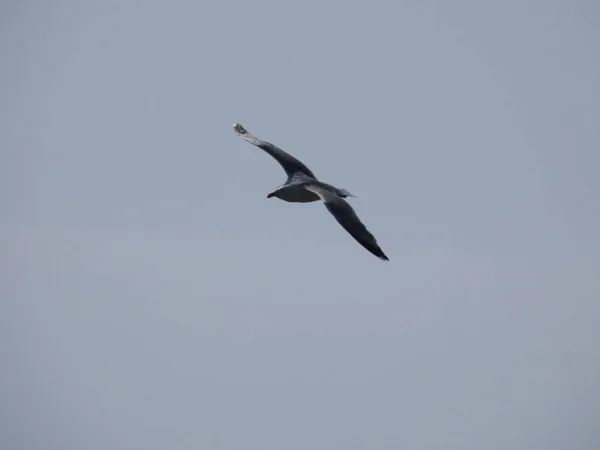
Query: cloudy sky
pixel 154 298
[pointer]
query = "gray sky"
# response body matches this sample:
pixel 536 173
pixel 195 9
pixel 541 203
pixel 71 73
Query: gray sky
pixel 153 298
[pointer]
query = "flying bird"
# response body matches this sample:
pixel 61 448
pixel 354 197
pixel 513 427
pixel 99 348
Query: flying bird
pixel 302 186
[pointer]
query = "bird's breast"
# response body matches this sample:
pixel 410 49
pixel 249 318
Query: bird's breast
pixel 296 194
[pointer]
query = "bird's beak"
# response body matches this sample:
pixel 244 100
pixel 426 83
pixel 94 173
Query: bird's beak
pixel 270 195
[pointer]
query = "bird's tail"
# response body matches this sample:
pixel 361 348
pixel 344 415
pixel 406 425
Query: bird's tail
pixel 344 193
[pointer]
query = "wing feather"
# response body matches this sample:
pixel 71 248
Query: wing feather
pixel 290 164
pixel 347 218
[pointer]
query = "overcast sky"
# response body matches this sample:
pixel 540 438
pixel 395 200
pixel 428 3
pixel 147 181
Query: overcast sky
pixel 153 298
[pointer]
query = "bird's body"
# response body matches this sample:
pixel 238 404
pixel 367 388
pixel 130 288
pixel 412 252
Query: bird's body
pixel 302 186
pixel 295 193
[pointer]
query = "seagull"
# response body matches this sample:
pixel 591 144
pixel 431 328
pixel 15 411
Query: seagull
pixel 302 186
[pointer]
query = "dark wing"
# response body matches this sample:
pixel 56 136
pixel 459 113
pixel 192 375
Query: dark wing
pixel 347 218
pixel 290 164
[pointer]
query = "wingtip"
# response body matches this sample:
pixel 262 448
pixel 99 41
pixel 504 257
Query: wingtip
pixel 379 253
pixel 238 128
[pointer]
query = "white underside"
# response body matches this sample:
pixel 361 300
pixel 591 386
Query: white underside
pixel 296 194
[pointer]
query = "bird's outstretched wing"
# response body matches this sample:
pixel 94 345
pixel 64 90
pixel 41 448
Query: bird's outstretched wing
pixel 290 164
pixel 347 218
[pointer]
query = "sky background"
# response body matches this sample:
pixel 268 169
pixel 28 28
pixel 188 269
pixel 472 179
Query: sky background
pixel 153 298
